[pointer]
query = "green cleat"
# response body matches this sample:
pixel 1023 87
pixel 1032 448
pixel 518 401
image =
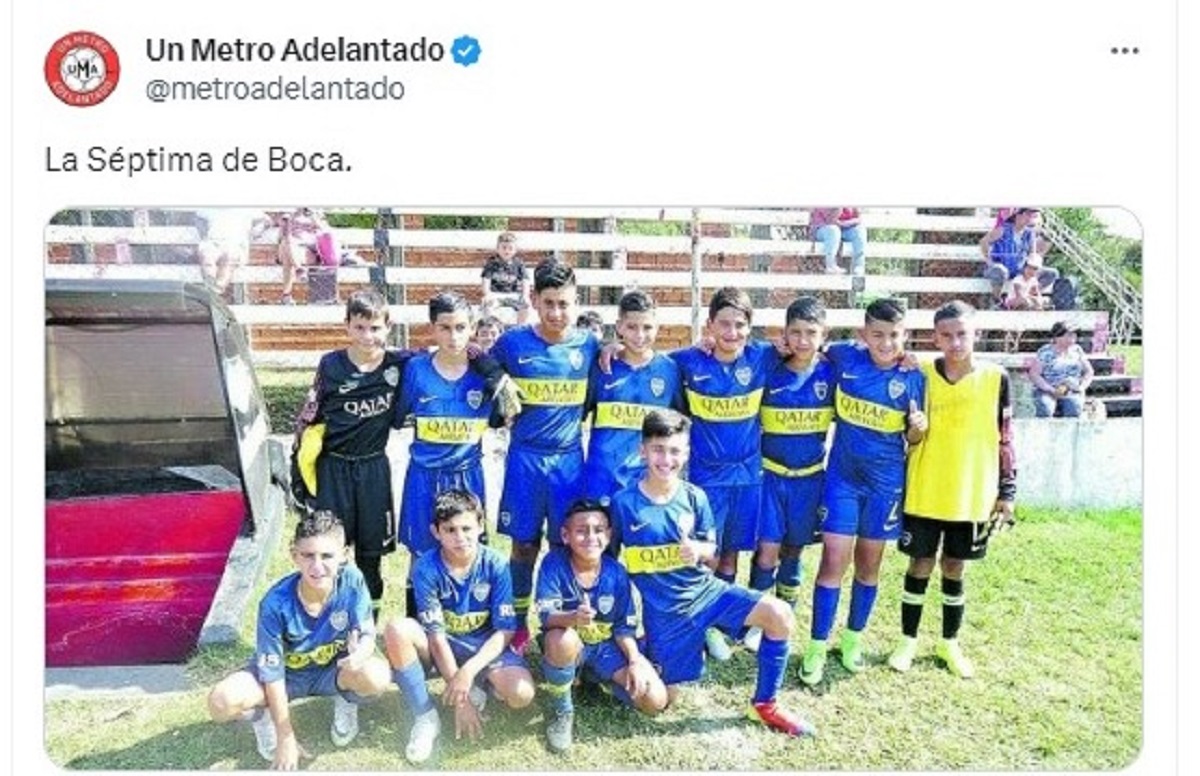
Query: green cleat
pixel 852 652
pixel 716 645
pixel 903 655
pixel 950 653
pixel 812 664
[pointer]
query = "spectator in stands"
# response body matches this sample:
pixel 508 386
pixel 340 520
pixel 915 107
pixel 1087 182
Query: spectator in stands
pixel 305 239
pixel 505 279
pixel 1061 374
pixel 1005 249
pixel 226 233
pixel 834 225
pixel 591 320
pixel 1026 290
pixel 487 330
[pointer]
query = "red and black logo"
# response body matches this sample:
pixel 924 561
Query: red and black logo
pixel 82 69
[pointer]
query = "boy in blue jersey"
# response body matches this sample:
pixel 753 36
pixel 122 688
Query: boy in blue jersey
pixel 723 389
pixel 589 623
pixel 315 637
pixel 550 362
pixel 797 410
pixel 666 530
pixel 639 380
pixel 878 404
pixel 463 627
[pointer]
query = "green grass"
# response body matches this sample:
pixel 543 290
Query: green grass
pixel 1053 624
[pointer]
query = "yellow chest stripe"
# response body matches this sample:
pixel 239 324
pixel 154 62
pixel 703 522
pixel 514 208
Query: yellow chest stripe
pixel 724 408
pixel 595 632
pixel 652 559
pixel 451 431
pixel 322 655
pixel 868 414
pixel 552 393
pixel 465 623
pixel 777 420
pixel 619 414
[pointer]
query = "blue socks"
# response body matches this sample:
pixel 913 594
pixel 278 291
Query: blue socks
pixel 558 692
pixel 825 604
pixel 787 582
pixel 862 601
pixel 772 662
pixel 761 579
pixel 411 680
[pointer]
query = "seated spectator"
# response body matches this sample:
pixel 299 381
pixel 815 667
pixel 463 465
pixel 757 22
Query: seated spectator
pixel 591 320
pixel 1027 293
pixel 487 330
pixel 505 279
pixel 1061 374
pixel 833 225
pixel 305 239
pixel 225 242
pixel 1005 249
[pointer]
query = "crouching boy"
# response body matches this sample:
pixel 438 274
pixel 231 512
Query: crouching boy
pixel 315 637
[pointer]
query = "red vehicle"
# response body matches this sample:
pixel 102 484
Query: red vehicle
pixel 163 492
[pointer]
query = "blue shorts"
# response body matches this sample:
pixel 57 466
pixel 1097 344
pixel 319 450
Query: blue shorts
pixel 791 509
pixel 735 512
pixel 309 682
pixel 421 486
pixel 852 510
pixel 538 489
pixel 675 645
pixel 465 648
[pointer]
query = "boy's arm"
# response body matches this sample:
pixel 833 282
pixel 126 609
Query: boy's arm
pixel 916 422
pixel 1008 456
pixel 311 409
pixel 985 244
pixel 287 747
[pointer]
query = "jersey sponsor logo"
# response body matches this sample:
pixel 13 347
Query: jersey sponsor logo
pixel 549 605
pixel 553 393
pixel 369 408
pixel 459 624
pixel 595 632
pixel 869 415
pixel 655 559
pixel 896 388
pixel 576 359
pixel 321 656
pixel 821 389
pixel 480 591
pixel 605 603
pixel 725 408
pixel 348 387
pixel 451 431
pixel 474 399
pixel 743 374
pixel 658 386
pixel 391 376
pixel 615 414
pixel 339 619
pixel 796 421
pixel 508 610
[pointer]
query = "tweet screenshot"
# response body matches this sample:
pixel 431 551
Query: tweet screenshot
pixel 580 387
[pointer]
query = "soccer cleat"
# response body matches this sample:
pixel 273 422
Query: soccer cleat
pixel 770 714
pixel 812 664
pixel 852 652
pixel 716 645
pixel 425 730
pixel 752 639
pixel 560 732
pixel 520 640
pixel 478 697
pixel 264 734
pixel 345 721
pixel 950 653
pixel 834 270
pixel 903 655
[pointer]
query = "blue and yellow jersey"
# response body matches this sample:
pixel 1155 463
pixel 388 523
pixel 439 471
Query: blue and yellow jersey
pixel 872 413
pixel 553 381
pixel 648 535
pixel 618 403
pixel 559 591
pixel 290 639
pixel 797 410
pixel 450 415
pixel 723 401
pixel 477 605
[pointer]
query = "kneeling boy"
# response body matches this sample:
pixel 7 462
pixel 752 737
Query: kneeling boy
pixel 465 623
pixel 589 622
pixel 315 637
pixel 668 532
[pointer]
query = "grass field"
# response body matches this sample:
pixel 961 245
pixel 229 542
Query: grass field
pixel 1053 624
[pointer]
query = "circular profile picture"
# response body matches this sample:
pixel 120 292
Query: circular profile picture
pixel 82 69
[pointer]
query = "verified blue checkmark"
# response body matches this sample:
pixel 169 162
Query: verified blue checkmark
pixel 465 50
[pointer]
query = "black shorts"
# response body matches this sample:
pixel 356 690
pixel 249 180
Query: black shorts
pixel 964 540
pixel 359 491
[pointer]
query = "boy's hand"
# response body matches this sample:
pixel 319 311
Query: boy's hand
pixel 458 690
pixel 607 354
pixel 357 653
pixel 916 418
pixel 638 677
pixel 908 362
pixel 508 398
pixel 288 753
pixel 1003 518
pixel 467 722
pixel 707 344
pixel 585 614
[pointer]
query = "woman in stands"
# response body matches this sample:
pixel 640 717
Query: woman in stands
pixel 1061 374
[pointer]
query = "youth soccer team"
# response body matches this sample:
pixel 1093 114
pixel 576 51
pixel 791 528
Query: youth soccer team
pixel 692 458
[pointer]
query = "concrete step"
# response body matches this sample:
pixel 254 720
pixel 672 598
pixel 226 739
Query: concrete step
pixel 1122 406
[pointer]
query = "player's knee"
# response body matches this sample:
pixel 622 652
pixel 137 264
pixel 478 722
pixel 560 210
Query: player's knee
pixel 654 701
pixel 400 633
pixel 220 706
pixel 563 646
pixel 778 619
pixel 953 568
pixel 520 693
pixel 525 552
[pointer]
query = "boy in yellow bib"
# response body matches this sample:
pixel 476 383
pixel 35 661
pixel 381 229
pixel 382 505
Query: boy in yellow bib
pixel 961 481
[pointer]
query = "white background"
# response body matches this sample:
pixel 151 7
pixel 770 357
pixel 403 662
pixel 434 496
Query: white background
pixel 748 103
